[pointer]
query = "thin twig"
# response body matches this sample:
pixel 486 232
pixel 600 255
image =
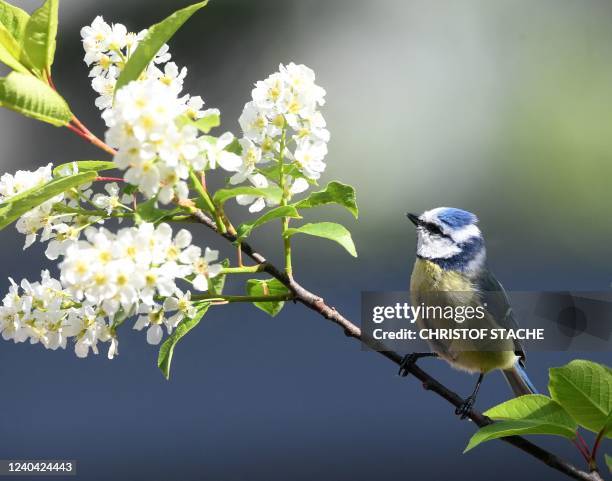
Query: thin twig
pixel 317 304
pixel 79 128
pixel 596 445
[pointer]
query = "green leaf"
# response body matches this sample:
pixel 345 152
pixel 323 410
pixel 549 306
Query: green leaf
pixel 334 193
pixel 40 35
pixel 272 193
pixel 205 124
pixel 327 230
pixel 129 189
pixel 608 462
pixel 273 172
pixel 149 212
pixel 267 287
pixel 33 98
pixel 234 147
pixel 536 407
pixel 244 230
pixel 607 429
pixel 85 166
pixel 10 52
pixel 584 389
pixel 217 283
pixel 530 414
pixel 504 429
pixel 16 206
pixel 166 351
pixel 14 20
pixel 154 40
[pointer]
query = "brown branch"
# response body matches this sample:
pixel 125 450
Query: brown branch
pixel 316 303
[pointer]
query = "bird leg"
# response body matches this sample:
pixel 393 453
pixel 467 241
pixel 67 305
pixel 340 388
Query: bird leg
pixel 466 406
pixel 411 359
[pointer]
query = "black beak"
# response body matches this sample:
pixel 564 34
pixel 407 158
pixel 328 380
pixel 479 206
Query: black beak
pixel 413 218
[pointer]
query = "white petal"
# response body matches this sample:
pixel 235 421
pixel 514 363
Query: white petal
pixel 258 205
pixel 200 283
pixel 229 161
pixel 154 334
pixel 300 185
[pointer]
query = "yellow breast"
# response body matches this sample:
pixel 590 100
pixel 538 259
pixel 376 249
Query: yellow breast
pixel 428 276
pixel 432 285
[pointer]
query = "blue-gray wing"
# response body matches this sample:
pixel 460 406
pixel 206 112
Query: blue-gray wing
pixel 498 305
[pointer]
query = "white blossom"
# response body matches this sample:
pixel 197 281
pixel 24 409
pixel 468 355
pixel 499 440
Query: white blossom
pixel 282 123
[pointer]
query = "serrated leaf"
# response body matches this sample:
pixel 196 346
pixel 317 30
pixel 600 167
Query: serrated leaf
pixel 584 389
pixel 530 414
pixel 18 205
pixel 244 230
pixel 10 51
pixel 267 287
pixel 327 230
pixel 40 35
pixel 33 98
pixel 154 40
pixel 504 429
pixel 14 20
pixel 85 166
pixel 166 351
pixel 271 193
pixel 217 283
pixel 608 462
pixel 334 193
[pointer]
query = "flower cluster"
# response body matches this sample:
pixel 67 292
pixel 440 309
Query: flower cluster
pixel 155 153
pixel 147 272
pixel 282 121
pixel 106 278
pixel 109 47
pixel 154 148
pixel 60 227
pixel 36 219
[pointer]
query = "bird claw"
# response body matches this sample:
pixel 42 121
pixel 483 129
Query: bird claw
pixel 466 406
pixel 408 361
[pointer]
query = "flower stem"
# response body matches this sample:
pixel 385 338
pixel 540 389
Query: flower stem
pixel 79 128
pixel 593 460
pixel 285 220
pixel 208 203
pixel 109 179
pixel 243 269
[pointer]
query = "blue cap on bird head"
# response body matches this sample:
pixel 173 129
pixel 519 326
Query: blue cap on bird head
pixel 455 218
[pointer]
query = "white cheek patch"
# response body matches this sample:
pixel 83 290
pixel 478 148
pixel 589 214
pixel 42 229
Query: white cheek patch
pixel 435 247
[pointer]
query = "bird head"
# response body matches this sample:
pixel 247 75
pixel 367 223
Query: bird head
pixel 450 238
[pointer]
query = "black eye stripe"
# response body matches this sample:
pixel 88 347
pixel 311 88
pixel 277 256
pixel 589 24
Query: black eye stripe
pixel 434 229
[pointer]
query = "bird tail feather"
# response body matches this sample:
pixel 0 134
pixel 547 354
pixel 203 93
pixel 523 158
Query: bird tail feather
pixel 518 381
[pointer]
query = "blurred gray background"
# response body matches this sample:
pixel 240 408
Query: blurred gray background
pixel 500 107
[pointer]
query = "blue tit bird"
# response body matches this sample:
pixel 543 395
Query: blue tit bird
pixel 451 270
